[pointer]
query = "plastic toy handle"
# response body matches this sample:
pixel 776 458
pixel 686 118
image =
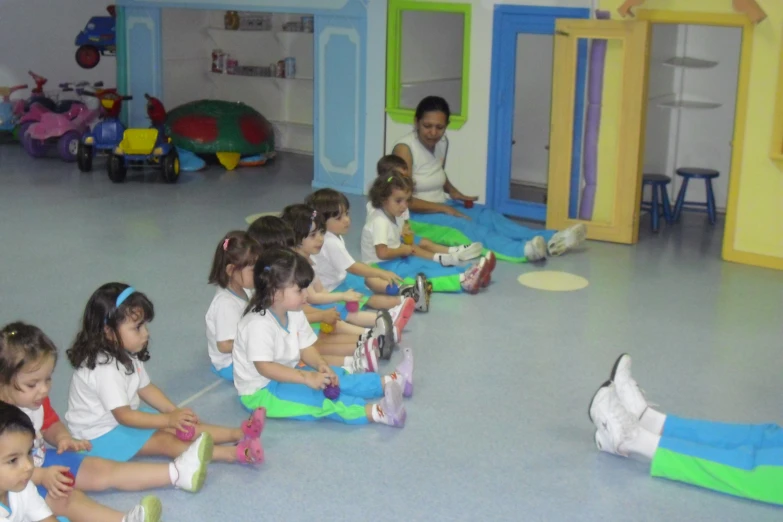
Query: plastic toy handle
pixel 97 84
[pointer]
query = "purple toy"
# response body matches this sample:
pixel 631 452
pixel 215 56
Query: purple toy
pixel 392 289
pixel 186 434
pixel 352 306
pixel 331 392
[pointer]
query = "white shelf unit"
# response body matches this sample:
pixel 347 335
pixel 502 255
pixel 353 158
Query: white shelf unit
pixel 286 102
pixel 689 62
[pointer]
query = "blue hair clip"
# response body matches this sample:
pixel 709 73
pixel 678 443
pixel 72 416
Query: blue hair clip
pixel 123 296
pixel 267 269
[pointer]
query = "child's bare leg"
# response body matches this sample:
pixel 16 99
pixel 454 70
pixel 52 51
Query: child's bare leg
pixel 220 434
pixel 377 285
pixel 362 319
pixel 334 360
pixel 97 474
pixel 167 444
pixel 343 349
pixel 337 339
pixel 78 507
pixel 434 248
pixel 384 302
pixel 163 444
pixel 343 327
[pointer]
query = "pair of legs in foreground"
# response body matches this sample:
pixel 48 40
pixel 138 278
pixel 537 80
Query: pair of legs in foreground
pixel 744 460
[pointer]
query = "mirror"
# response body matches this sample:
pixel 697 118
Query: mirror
pixel 428 50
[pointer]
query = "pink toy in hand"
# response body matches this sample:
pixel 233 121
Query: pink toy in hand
pixel 187 434
pixel 352 306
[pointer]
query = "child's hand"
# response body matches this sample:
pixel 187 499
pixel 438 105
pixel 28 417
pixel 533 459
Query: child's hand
pixel 71 444
pixel 391 278
pixel 352 295
pixel 56 482
pixel 331 316
pixel 405 250
pixel 451 211
pixel 316 380
pixel 180 419
pixel 326 369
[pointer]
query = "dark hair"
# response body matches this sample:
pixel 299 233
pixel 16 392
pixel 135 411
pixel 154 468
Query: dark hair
pixel 101 312
pixel 301 218
pixel 329 203
pixel 433 104
pixel 22 344
pixel 382 188
pixel 391 163
pixel 277 269
pixel 236 248
pixel 271 231
pixel 14 420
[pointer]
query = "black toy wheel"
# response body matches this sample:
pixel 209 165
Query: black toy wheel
pixel 84 157
pixel 87 56
pixel 171 167
pixel 116 168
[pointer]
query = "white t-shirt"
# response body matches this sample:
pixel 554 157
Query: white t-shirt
pixel 427 168
pixel 380 230
pixel 43 418
pixel 261 338
pixel 222 318
pixel 95 393
pixel 25 506
pixel 406 216
pixel 333 261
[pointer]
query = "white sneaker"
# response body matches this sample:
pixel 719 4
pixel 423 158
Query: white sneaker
pixel 468 252
pixel 191 465
pixel 148 510
pixel 567 239
pixel 471 279
pixel 615 426
pixel 365 357
pixel 535 249
pixel 626 387
pixel 447 259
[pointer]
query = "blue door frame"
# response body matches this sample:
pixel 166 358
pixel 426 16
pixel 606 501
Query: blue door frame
pixel 510 21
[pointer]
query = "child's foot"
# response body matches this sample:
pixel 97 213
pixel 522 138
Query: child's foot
pixel 467 252
pixel 488 263
pixel 405 371
pixel 470 280
pixel 419 299
pixel 148 510
pixel 253 426
pixel 390 410
pixel 567 239
pixel 535 249
pixel 615 425
pixel 384 326
pixel 365 358
pixel 250 451
pixel 403 313
pixel 191 466
pixel 446 259
pixel 627 389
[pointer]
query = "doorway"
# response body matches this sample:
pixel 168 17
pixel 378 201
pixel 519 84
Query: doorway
pixel 692 85
pixel 521 91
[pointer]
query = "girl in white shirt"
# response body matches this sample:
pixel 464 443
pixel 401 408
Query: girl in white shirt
pixel 274 336
pixel 20 501
pixel 110 382
pixel 232 273
pixel 382 245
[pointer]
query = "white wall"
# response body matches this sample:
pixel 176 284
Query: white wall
pixel 468 159
pixel 185 56
pixel 431 57
pixel 532 101
pixel 33 38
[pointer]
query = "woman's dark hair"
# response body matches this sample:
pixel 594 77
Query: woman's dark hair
pixel 14 420
pixel 433 104
pixel 235 248
pixel 102 312
pixel 382 188
pixel 328 202
pixel 391 163
pixel 271 231
pixel 277 269
pixel 300 218
pixel 22 344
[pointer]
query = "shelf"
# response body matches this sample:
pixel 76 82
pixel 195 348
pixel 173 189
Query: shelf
pixel 689 63
pixel 292 123
pixel 215 31
pixel 300 78
pixel 688 104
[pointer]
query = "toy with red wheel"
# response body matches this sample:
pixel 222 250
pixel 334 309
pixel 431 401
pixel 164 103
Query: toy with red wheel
pixel 96 39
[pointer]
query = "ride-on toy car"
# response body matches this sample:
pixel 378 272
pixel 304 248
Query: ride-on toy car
pixel 9 110
pixel 97 39
pixel 107 133
pixel 141 147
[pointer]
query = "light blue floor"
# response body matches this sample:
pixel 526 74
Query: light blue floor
pixel 498 427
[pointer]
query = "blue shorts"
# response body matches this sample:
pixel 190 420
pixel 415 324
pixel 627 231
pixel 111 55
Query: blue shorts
pixel 122 443
pixel 226 373
pixel 69 459
pixel 353 282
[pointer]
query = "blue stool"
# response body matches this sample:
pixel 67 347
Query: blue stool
pixel 660 198
pixel 687 173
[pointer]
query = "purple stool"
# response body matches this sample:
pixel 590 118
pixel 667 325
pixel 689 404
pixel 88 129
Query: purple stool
pixel 688 173
pixel 660 199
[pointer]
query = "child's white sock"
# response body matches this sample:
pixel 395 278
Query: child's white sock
pixel 173 473
pixel 446 259
pixel 653 421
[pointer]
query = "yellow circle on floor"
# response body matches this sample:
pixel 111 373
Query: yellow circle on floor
pixel 252 217
pixel 553 281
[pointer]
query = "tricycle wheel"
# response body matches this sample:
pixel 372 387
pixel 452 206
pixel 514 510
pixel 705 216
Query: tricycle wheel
pixel 68 146
pixel 35 148
pixel 116 167
pixel 87 56
pixel 84 157
pixel 171 167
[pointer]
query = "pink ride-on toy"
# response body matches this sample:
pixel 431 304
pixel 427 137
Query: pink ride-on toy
pixel 61 129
